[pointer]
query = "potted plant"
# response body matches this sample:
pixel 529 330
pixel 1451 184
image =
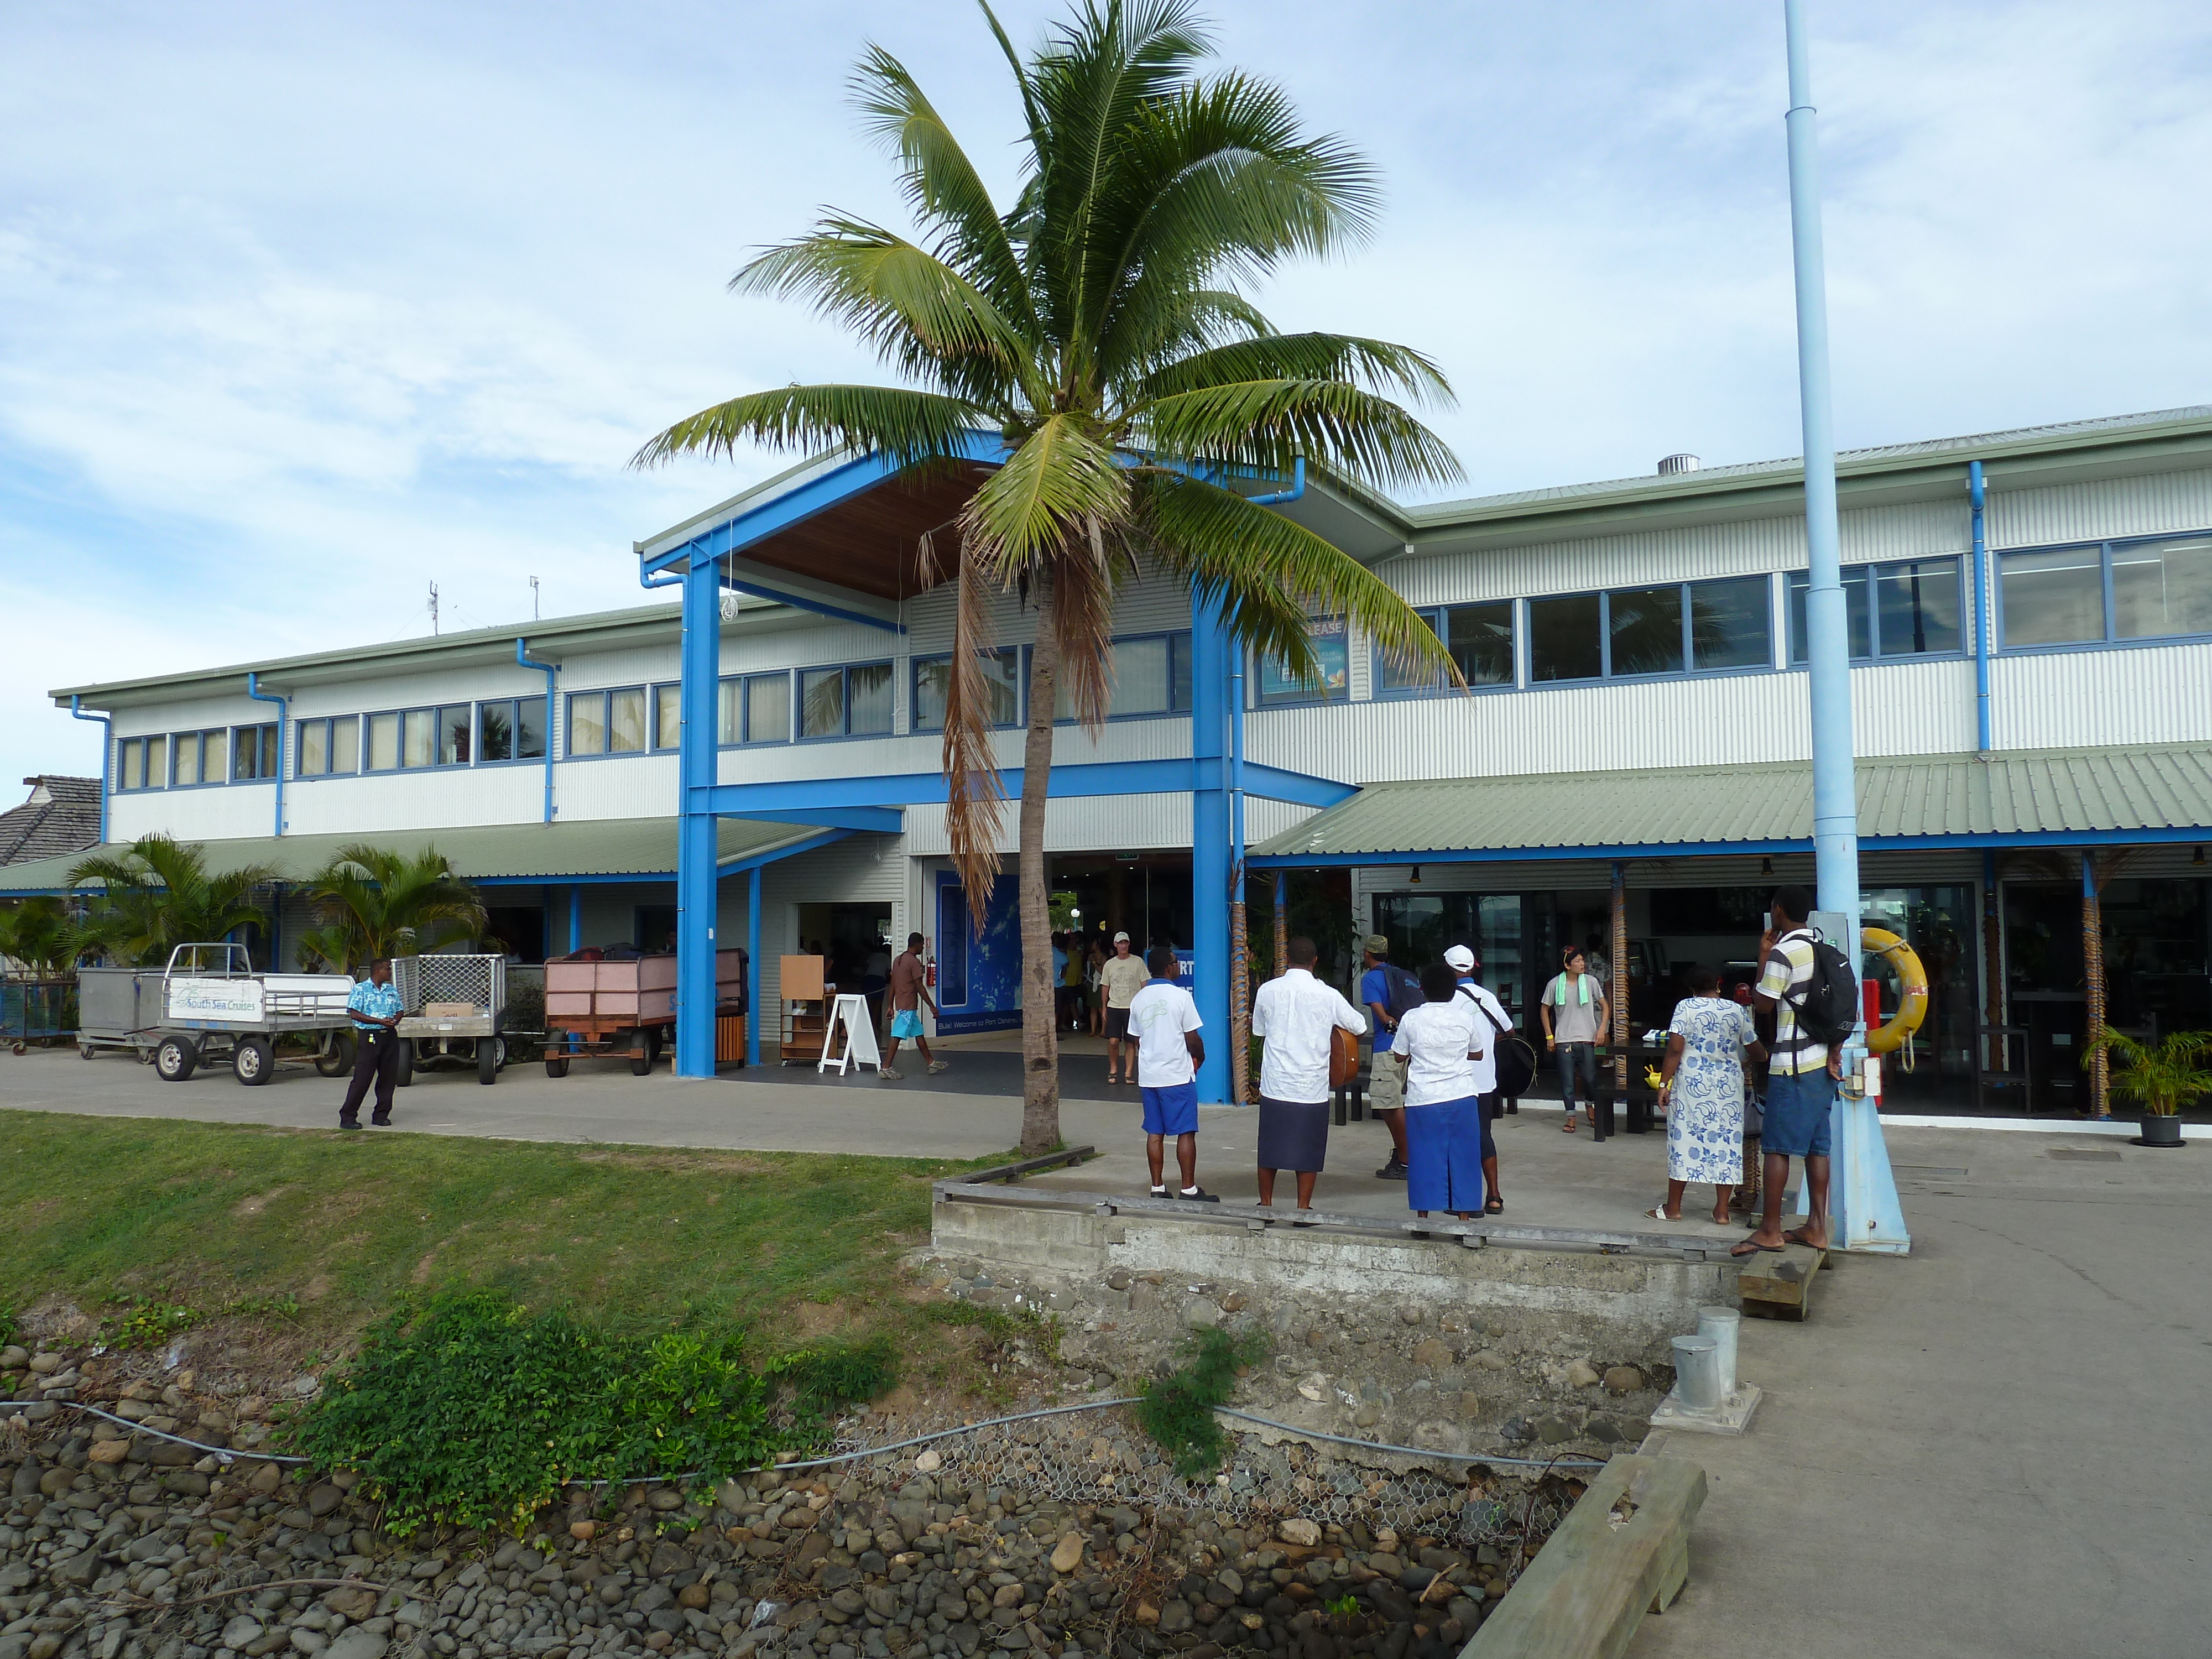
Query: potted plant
pixel 2161 1078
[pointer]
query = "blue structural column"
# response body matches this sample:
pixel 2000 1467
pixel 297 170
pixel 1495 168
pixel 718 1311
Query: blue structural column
pixel 1209 844
pixel 1862 1193
pixel 696 894
pixel 752 967
pixel 1977 500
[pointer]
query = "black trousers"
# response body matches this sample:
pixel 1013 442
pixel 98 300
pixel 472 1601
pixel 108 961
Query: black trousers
pixel 376 1059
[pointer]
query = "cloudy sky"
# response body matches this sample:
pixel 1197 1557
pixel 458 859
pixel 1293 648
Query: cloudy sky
pixel 304 307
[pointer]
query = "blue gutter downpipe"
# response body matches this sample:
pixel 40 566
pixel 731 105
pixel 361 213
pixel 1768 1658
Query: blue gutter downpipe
pixel 283 720
pixel 106 749
pixel 697 876
pixel 1977 495
pixel 551 671
pixel 1298 488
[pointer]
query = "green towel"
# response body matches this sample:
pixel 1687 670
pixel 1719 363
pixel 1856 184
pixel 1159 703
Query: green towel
pixel 1558 996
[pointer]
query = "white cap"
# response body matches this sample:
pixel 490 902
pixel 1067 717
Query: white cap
pixel 1121 938
pixel 1460 957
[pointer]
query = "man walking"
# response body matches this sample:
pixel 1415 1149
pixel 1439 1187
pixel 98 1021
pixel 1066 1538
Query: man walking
pixel 1492 1014
pixel 375 1007
pixel 909 984
pixel 1387 991
pixel 1297 1016
pixel 1582 1013
pixel 1120 979
pixel 1164 1024
pixel 1801 1080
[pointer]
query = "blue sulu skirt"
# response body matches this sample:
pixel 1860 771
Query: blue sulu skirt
pixel 1443 1155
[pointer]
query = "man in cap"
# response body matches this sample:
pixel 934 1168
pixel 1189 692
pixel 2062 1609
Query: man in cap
pixel 1120 979
pixel 1463 962
pixel 1387 991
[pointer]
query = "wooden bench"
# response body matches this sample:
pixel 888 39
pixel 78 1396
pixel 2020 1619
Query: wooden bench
pixel 1623 1550
pixel 1779 1285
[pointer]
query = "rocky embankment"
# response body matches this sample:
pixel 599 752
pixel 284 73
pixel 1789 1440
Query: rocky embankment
pixel 116 1545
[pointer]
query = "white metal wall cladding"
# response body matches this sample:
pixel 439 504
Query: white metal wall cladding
pixel 1165 738
pixel 856 869
pixel 637 786
pixel 1150 605
pixel 2147 506
pixel 218 812
pixel 2069 699
pixel 409 800
pixel 1118 822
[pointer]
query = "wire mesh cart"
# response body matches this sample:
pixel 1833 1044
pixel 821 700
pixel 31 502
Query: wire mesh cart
pixel 454 1008
pixel 35 1009
pixel 213 1007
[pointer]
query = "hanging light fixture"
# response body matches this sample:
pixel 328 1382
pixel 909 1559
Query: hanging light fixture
pixel 1416 881
pixel 1766 866
pixel 2199 857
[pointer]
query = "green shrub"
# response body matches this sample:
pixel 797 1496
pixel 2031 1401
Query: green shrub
pixel 1177 1409
pixel 472 1408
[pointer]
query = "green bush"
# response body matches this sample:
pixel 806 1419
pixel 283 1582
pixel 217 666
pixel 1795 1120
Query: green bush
pixel 471 1409
pixel 1177 1409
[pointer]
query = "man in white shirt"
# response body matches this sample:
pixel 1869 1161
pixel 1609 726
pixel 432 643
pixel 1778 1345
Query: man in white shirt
pixel 1120 979
pixel 1297 1016
pixel 1463 964
pixel 1163 1023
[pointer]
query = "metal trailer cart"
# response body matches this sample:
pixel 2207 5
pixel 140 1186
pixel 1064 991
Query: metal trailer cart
pixel 618 1009
pixel 455 1008
pixel 118 1008
pixel 33 1009
pixel 213 1007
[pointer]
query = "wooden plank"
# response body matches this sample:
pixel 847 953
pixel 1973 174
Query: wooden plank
pixel 1779 1285
pixel 1623 1550
pixel 1031 1165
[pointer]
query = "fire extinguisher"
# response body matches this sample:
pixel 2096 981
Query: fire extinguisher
pixel 932 972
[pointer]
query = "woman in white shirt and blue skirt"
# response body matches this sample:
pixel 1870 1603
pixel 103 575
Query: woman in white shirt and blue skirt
pixel 1438 1043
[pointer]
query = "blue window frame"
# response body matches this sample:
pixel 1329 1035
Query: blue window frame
pixel 1480 638
pixel 1719 626
pixel 198 758
pixel 143 763
pixel 609 722
pixel 418 739
pixel 1909 608
pixel 755 709
pixel 2148 587
pixel 326 748
pixel 252 753
pixel 1005 677
pixel 667 717
pixel 1332 648
pixel 1151 679
pixel 850 700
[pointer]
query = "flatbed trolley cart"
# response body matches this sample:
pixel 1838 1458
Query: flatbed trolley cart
pixel 609 1008
pixel 214 1007
pixel 454 1008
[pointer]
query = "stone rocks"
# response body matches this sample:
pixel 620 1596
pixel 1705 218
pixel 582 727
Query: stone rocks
pixel 928 1462
pixel 1067 1554
pixel 1299 1531
pixel 1623 1379
pixel 358 1643
pixel 1581 1374
pixel 1433 1353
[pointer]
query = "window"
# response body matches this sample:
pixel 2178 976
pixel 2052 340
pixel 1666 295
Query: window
pixel 1669 628
pixel 418 737
pixel 252 752
pixel 1907 609
pixel 607 722
pixel 456 730
pixel 1332 661
pixel 668 717
pixel 626 722
pixel 383 743
pixel 198 758
pixel 1151 676
pixel 512 729
pixel 1565 640
pixel 756 708
pixel 2056 597
pixel 845 703
pixel 145 763
pixel 1480 638
pixel 2162 587
pixel 327 748
pixel 1002 687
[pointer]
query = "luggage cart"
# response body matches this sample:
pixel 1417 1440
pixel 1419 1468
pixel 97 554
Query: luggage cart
pixel 34 1009
pixel 618 1008
pixel 454 1008
pixel 213 1007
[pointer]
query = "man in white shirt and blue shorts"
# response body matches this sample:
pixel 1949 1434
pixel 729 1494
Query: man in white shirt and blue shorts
pixel 1163 1022
pixel 1801 1080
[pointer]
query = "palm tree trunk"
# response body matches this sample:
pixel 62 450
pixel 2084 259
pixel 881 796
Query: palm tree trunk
pixel 1040 1028
pixel 1240 998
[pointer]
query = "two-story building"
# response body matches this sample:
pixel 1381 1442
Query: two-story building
pixel 2031 622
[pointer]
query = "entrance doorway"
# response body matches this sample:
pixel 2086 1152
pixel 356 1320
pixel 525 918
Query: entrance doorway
pixel 1144 895
pixel 853 941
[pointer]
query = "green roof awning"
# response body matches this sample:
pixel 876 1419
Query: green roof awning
pixel 579 849
pixel 2018 797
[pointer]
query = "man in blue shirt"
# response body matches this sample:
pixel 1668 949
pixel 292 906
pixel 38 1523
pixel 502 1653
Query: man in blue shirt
pixel 1386 1085
pixel 375 1007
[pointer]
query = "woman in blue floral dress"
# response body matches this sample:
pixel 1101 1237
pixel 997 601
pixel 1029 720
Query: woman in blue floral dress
pixel 1702 1084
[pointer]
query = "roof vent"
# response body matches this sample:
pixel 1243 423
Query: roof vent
pixel 1670 464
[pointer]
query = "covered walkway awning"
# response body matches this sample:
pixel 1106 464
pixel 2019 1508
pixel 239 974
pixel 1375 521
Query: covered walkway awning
pixel 489 854
pixel 2038 798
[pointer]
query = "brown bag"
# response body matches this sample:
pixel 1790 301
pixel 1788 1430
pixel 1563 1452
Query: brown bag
pixel 1343 1057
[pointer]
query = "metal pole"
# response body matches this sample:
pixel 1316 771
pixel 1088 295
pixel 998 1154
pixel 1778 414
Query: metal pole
pixel 1977 498
pixel 752 964
pixel 1209 854
pixel 697 884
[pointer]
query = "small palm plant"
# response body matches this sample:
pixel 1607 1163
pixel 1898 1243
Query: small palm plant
pixel 39 935
pixel 371 901
pixel 161 894
pixel 2163 1077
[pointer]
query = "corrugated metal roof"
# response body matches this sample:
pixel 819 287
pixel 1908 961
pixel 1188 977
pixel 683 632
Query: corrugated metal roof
pixel 2047 792
pixel 586 846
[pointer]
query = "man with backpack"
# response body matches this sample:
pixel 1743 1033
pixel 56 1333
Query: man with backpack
pixel 1388 992
pixel 1490 1014
pixel 1808 984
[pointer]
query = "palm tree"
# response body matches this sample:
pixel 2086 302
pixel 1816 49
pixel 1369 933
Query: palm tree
pixel 1100 326
pixel 371 901
pixel 160 895
pixel 38 934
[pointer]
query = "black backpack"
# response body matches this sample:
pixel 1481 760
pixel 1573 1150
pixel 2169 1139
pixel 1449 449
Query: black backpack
pixel 1827 1009
pixel 1401 991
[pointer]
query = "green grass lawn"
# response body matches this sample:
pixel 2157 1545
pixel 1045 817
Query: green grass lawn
pixel 790 1245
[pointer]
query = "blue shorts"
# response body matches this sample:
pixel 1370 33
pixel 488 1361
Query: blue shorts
pixel 1172 1110
pixel 1798 1110
pixel 907 1023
